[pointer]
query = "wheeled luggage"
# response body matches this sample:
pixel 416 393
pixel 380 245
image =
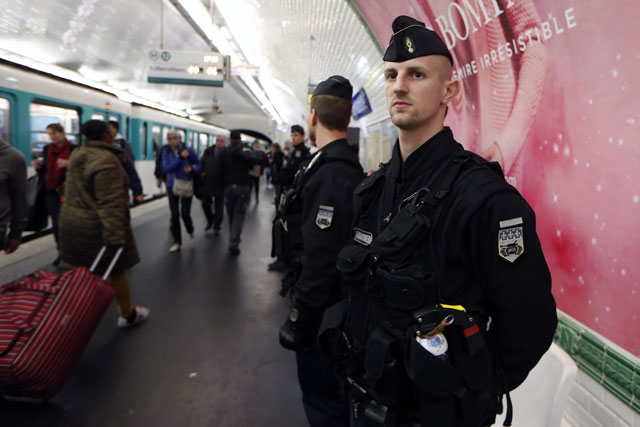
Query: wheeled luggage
pixel 46 321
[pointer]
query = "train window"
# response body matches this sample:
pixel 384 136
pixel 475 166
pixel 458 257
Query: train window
pixel 42 115
pixel 203 141
pixel 97 116
pixel 143 131
pixel 193 140
pixel 5 120
pixel 156 134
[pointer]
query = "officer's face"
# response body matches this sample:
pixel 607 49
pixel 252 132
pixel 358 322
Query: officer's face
pixel 416 90
pixel 297 138
pixel 219 142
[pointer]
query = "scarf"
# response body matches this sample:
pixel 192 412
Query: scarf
pixel 54 173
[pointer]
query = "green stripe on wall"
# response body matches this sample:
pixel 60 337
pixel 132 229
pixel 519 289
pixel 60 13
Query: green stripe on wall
pixel 366 26
pixel 185 81
pixel 614 371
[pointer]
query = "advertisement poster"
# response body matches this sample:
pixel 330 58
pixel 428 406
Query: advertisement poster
pixel 550 89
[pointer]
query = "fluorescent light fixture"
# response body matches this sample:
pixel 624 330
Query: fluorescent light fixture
pixel 197 118
pixel 200 15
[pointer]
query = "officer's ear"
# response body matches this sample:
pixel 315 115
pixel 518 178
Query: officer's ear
pixel 313 117
pixel 450 90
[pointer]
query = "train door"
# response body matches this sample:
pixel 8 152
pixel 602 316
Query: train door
pixel 204 139
pixel 41 115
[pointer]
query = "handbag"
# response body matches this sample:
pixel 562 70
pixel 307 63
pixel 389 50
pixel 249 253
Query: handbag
pixel 182 187
pixel 37 216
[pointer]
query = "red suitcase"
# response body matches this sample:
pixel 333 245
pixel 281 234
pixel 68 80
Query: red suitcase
pixel 46 321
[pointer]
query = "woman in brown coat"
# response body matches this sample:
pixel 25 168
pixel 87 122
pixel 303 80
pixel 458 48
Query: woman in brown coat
pixel 96 213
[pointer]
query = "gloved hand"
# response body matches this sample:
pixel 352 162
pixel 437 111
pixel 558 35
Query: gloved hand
pixel 300 329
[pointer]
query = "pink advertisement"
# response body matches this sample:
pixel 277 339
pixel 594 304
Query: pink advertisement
pixel 551 89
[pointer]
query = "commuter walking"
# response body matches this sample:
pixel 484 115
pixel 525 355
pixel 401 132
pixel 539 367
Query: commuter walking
pixel 237 160
pixel 96 213
pixel 120 141
pixel 179 163
pixel 322 198
pixel 213 186
pixel 13 198
pixel 448 309
pixel 53 171
pixel 257 170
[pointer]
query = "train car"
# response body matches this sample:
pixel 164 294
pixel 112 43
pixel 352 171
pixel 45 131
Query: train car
pixel 29 101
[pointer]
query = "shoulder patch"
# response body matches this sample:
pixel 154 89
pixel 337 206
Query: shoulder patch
pixel 324 217
pixel 511 239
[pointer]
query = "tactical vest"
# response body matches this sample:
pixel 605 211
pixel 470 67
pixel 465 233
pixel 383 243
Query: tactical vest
pixel 394 295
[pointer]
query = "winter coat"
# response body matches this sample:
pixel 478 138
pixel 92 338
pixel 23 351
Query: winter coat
pixel 96 208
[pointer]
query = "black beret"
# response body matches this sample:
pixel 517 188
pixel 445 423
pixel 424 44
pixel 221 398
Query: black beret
pixel 235 135
pixel 334 86
pixel 411 39
pixel 297 128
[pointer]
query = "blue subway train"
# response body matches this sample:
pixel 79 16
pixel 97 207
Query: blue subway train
pixel 29 101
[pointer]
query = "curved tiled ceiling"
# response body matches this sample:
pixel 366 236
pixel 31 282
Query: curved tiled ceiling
pixel 296 43
pixel 299 43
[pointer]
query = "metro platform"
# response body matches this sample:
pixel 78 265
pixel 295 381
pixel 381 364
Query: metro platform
pixel 207 356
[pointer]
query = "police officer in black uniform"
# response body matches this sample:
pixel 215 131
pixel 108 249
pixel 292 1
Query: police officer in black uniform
pixel 285 255
pixel 323 191
pixel 450 302
pixel 237 160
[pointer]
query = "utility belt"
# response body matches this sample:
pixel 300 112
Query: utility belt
pixel 438 368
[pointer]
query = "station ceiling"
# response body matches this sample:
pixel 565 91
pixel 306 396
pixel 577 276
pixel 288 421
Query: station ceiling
pixel 293 43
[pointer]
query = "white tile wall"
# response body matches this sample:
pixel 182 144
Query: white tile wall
pixel 591 405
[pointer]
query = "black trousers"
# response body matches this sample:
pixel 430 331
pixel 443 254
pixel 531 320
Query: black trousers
pixel 324 403
pixel 256 185
pixel 179 205
pixel 214 217
pixel 52 201
pixel 237 200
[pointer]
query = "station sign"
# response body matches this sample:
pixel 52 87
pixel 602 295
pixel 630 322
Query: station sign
pixel 361 105
pixel 186 67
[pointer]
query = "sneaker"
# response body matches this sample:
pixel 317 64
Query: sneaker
pixel 208 226
pixel 234 250
pixel 192 237
pixel 139 315
pixel 175 247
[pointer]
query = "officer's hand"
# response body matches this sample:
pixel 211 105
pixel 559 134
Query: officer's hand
pixel 11 245
pixel 300 329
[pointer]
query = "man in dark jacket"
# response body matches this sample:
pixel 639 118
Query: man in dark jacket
pixel 213 187
pixel 13 199
pixel 323 190
pixel 118 140
pixel 53 171
pixel 295 159
pixel 448 309
pixel 237 160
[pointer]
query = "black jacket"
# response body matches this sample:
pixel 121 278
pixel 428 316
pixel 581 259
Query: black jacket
pixel 455 258
pixel 237 160
pixel 212 171
pixel 327 216
pixel 299 154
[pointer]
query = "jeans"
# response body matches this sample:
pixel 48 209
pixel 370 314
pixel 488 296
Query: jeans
pixel 180 205
pixel 237 199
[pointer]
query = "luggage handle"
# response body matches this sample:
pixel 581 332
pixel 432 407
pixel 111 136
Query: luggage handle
pixel 111 265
